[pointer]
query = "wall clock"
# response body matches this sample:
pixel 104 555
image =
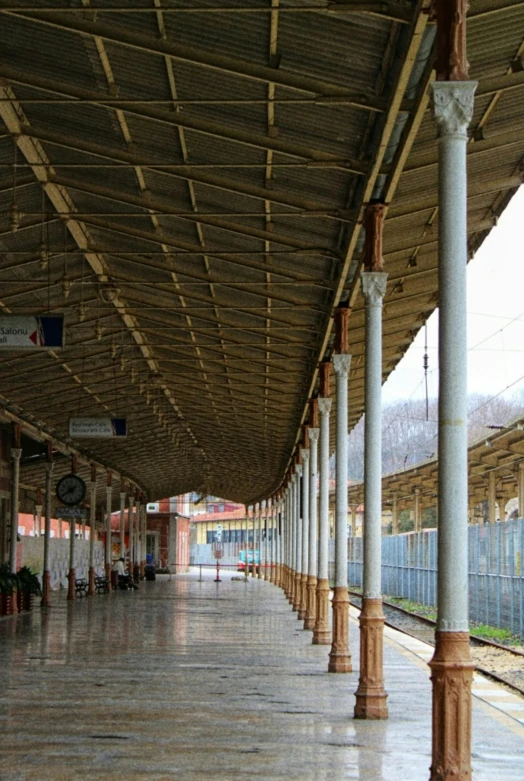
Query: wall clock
pixel 71 490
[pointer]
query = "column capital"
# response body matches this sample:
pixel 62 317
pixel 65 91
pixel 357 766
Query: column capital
pixel 314 433
pixel 123 495
pixel 16 453
pixel 374 286
pixel 341 363
pixel 304 454
pixel 453 106
pixel 298 472
pixel 324 405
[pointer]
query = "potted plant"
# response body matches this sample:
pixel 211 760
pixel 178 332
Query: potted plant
pixel 28 586
pixel 8 581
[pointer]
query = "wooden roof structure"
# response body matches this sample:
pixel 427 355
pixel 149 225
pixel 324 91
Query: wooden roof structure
pixel 186 181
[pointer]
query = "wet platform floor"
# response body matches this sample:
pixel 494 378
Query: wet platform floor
pixel 198 680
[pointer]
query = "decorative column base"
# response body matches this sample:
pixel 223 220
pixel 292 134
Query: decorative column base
pixel 46 589
pixel 371 696
pixel 451 675
pixel 108 572
pixel 71 589
pixel 339 656
pixel 14 599
pixel 91 582
pixel 297 589
pixel 302 608
pixel 291 587
pixel 321 633
pixel 311 610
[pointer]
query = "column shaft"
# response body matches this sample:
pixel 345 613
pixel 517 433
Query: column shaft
pixel 311 606
pixel 451 665
pixel 302 610
pixel 321 633
pixel 92 524
pixel 46 576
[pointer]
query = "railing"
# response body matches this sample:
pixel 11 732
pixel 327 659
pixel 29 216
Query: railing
pixel 496 573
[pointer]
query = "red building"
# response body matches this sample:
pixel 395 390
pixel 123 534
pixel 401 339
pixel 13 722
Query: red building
pixel 167 535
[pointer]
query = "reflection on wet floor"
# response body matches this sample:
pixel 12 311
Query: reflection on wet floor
pixel 208 681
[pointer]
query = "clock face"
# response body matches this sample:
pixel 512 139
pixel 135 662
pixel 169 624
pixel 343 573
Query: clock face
pixel 71 490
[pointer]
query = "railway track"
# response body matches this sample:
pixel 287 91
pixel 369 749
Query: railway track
pixel 502 663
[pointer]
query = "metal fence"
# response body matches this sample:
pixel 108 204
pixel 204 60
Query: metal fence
pixel 496 571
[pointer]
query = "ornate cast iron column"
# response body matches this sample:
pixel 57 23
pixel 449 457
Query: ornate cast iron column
pixel 339 656
pixel 108 554
pixel 371 696
pixel 451 666
pixel 46 576
pixel 321 633
pixel 311 609
pixel 92 523
pixel 304 454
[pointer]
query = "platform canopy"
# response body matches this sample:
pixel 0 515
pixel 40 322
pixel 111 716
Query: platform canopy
pixel 185 182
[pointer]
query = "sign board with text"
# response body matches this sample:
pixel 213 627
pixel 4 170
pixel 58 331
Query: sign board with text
pixel 71 513
pixel 97 428
pixel 31 332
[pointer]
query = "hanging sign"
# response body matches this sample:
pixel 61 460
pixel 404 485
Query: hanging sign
pixel 97 428
pixel 71 513
pixel 40 332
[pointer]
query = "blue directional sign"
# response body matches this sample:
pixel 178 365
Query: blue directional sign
pixel 41 332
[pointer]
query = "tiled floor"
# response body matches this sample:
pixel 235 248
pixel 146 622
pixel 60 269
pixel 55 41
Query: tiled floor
pixel 189 680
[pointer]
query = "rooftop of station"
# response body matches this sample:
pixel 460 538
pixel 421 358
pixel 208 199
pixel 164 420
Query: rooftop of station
pixel 189 192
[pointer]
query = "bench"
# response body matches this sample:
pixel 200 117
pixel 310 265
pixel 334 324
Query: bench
pixel 81 586
pixel 101 584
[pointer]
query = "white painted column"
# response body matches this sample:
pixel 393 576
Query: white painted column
pixel 416 511
pixel 92 534
pixel 304 452
pixel 137 537
pixel 298 538
pixel 108 551
pixel 394 515
pixel 267 552
pixel 521 489
pixel 312 564
pixel 46 577
pixel 321 632
pixel 314 434
pixel 492 497
pixel 341 364
pixel 131 533
pixel 261 510
pixel 324 408
pixel 453 109
pixel 122 523
pixel 374 289
pixel 16 454
pixel 144 537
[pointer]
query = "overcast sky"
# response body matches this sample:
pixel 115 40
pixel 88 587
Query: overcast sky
pixel 495 319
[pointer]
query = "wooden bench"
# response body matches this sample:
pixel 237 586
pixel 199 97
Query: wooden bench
pixel 81 586
pixel 101 584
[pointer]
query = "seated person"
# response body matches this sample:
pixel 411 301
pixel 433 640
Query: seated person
pixel 125 581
